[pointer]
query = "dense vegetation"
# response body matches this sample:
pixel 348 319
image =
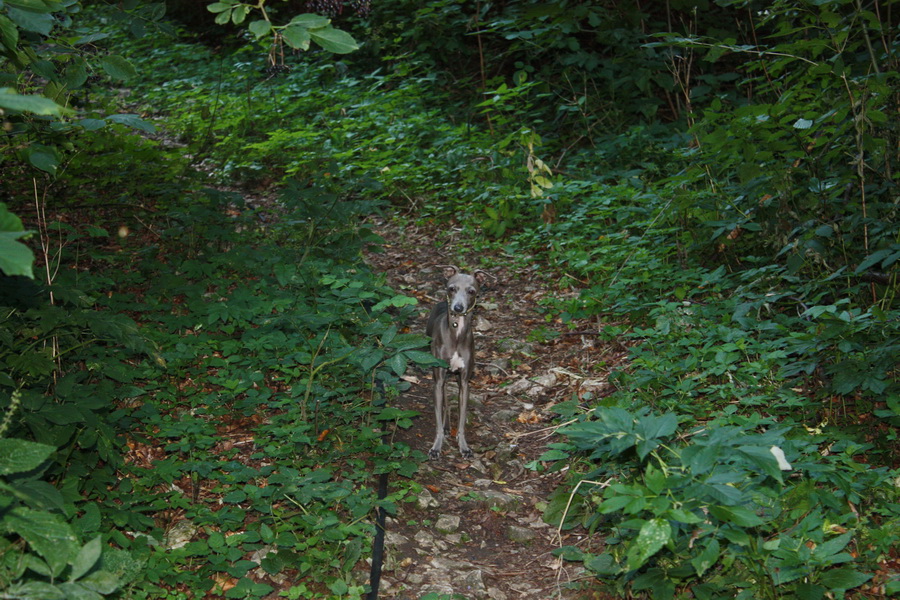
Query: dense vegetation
pixel 181 250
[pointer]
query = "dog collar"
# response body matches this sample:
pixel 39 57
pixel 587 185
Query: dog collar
pixel 450 312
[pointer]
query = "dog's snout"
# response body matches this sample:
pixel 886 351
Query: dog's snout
pixel 458 307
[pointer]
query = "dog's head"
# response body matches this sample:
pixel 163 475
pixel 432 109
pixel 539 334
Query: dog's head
pixel 462 288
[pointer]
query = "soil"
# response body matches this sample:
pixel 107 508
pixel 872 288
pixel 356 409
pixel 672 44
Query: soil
pixel 476 530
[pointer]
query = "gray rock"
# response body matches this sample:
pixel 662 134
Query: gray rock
pixel 521 535
pixel 447 523
pixel 504 415
pixel 426 500
pixel 500 500
pixel 473 584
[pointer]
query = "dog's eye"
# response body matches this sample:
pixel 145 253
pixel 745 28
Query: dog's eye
pixel 451 289
pixel 472 291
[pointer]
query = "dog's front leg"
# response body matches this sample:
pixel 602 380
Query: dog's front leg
pixel 440 376
pixel 463 402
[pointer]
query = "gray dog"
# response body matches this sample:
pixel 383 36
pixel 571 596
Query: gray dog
pixel 450 326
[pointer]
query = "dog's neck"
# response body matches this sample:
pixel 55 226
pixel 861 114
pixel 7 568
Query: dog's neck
pixel 459 323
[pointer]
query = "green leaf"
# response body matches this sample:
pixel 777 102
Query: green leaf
pixel 334 40
pixel 42 157
pixel 15 257
pixel 18 456
pixel 738 515
pixel 102 582
pixel 803 124
pixel 217 7
pixel 654 534
pixel 553 455
pixel 311 21
pixel 239 14
pixel 9 33
pixel 873 259
pixel 397 363
pixel 118 67
pixel 706 559
pixel 843 579
pixel 259 28
pixel 296 37
pixel 833 546
pixel 34 590
pixel 47 534
pixel 86 559
pixel 10 100
pixel 29 20
pixel 421 357
pixel 133 121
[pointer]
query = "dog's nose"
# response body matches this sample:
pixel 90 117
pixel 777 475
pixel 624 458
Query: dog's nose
pixel 459 307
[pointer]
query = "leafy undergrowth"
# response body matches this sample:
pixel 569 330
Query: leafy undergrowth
pixel 247 357
pixel 750 447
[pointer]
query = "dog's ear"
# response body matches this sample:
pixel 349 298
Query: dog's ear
pixel 449 270
pixel 481 276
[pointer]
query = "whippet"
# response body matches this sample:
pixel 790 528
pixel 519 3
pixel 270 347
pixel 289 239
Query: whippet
pixel 451 328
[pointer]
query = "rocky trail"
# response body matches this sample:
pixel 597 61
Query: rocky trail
pixel 476 531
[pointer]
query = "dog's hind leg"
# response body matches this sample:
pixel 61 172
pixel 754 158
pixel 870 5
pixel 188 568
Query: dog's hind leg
pixel 441 412
pixel 463 401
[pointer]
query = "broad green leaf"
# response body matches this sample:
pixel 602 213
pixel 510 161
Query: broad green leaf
pixel 334 40
pixel 43 158
pixel 388 336
pixel 420 357
pixel 10 100
pixel 118 67
pixel 40 495
pixel 738 515
pixel 34 590
pixel 260 28
pixel 102 582
pixel 239 14
pixel 44 6
pixel 217 7
pixel 833 546
pixel 311 21
pixel 553 455
pixel 92 124
pixel 397 363
pixel 15 257
pixel 47 534
pixel 873 259
pixel 654 534
pixel 9 33
pixel 86 559
pixel 843 579
pixel 76 591
pixel 18 456
pixel 707 558
pixel 31 20
pixel 133 121
pixel 683 516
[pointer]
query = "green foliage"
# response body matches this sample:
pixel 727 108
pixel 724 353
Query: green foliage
pixel 46 59
pixel 50 559
pixel 735 504
pixel 297 33
pixel 213 375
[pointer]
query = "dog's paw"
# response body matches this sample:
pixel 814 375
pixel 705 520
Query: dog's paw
pixel 466 453
pixel 434 454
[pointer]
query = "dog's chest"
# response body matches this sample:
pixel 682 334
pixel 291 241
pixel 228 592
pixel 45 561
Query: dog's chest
pixel 456 362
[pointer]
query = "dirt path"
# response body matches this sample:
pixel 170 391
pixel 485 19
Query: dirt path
pixel 476 529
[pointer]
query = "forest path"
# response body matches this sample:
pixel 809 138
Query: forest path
pixel 476 531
